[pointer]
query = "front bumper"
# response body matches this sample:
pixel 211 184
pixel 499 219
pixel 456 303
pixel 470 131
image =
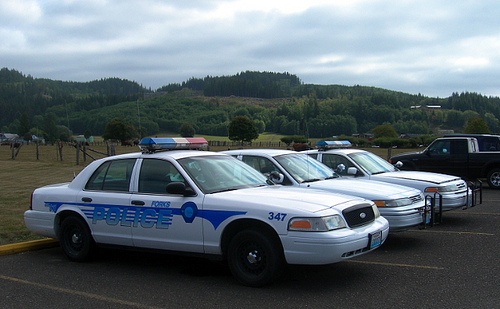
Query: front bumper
pixel 319 248
pixel 450 200
pixel 453 200
pixel 404 217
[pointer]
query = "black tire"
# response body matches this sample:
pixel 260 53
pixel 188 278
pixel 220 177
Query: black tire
pixel 493 178
pixel 75 239
pixel 255 259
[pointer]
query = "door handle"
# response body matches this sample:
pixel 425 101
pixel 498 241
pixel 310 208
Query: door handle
pixel 138 203
pixel 86 199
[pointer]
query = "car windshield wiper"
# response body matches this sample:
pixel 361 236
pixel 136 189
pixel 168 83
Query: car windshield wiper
pixel 312 180
pixel 224 190
pixel 238 188
pixel 333 176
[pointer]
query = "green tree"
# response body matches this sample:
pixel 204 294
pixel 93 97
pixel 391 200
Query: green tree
pixel 186 130
pixel 242 129
pixel 384 130
pixel 492 122
pixel 476 125
pixel 63 133
pixel 289 139
pixel 50 126
pixel 87 134
pixel 24 125
pixel 117 129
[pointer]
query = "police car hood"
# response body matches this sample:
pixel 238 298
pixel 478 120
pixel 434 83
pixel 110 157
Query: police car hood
pixel 435 178
pixel 368 189
pixel 288 197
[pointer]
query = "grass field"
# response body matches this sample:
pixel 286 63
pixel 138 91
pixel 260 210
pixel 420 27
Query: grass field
pixel 20 176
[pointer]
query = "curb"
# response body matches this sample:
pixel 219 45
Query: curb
pixel 28 246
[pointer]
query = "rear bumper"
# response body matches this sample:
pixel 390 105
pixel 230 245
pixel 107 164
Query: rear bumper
pixel 41 223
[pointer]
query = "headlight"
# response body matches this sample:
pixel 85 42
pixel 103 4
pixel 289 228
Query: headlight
pixel 448 188
pixel 393 203
pixel 323 224
pixel 375 211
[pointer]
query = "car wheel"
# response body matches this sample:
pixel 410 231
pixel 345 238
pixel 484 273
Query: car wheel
pixel 494 178
pixel 254 258
pixel 75 239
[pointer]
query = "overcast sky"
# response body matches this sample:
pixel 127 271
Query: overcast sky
pixel 430 47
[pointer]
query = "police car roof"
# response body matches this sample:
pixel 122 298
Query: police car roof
pixel 154 144
pixel 255 151
pixel 175 154
pixel 346 151
pixel 333 144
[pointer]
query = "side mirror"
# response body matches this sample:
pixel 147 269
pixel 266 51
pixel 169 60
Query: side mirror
pixel 276 178
pixel 179 188
pixel 398 164
pixel 352 171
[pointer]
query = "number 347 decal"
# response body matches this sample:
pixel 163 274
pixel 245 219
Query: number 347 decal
pixel 276 216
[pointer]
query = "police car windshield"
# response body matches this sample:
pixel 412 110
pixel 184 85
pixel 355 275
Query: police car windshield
pixel 371 163
pixel 303 168
pixel 221 173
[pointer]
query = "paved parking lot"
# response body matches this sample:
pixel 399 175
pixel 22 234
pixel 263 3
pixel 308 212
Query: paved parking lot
pixel 452 265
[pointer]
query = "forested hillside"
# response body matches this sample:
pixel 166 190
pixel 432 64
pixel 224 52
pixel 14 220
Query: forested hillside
pixel 276 102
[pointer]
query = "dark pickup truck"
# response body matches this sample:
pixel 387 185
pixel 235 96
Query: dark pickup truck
pixel 458 156
pixel 486 142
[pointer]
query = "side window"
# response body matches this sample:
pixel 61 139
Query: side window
pixel 488 144
pixel 313 155
pixel 263 165
pixel 440 147
pixel 112 176
pixel 333 161
pixel 156 174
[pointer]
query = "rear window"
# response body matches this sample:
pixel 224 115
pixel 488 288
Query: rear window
pixel 112 176
pixel 489 143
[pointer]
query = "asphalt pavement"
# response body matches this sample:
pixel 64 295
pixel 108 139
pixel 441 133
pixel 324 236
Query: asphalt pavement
pixel 454 264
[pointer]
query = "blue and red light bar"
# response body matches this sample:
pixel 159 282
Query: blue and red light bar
pixel 333 144
pixel 152 144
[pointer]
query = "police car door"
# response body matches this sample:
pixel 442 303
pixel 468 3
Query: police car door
pixel 160 222
pixel 105 202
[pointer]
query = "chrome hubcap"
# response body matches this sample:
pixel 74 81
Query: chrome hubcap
pixel 495 179
pixel 75 239
pixel 253 257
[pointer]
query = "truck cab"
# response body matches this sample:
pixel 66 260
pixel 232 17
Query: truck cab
pixel 444 155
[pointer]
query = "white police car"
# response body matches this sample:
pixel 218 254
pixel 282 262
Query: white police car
pixel 207 203
pixel 449 191
pixel 403 207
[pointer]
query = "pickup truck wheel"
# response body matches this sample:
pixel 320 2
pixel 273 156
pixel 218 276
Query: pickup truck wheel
pixel 493 178
pixel 75 239
pixel 254 258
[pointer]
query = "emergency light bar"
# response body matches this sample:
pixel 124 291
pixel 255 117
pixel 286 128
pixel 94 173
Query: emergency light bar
pixel 152 144
pixel 332 144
